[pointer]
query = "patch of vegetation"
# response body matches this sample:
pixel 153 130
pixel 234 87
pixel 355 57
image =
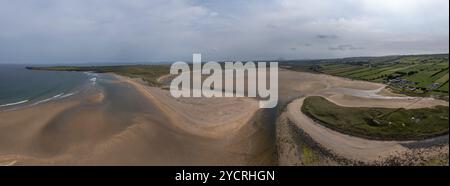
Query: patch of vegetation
pixel 148 73
pixel 308 156
pixel 379 123
pixel 438 161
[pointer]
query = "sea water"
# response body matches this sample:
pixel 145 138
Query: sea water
pixel 22 87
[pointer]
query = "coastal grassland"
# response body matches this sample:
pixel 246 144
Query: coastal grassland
pixel 414 75
pixel 148 73
pixel 378 123
pixel 437 161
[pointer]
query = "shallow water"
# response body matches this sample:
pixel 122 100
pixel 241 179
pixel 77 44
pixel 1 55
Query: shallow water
pixel 20 86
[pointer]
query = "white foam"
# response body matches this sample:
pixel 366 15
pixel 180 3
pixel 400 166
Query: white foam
pixel 93 80
pixel 12 104
pixel 49 99
pixel 67 95
pixel 91 74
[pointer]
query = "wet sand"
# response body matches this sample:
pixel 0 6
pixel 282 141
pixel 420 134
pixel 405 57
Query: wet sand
pixel 122 122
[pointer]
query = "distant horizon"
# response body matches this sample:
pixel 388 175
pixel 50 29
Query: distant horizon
pixel 99 63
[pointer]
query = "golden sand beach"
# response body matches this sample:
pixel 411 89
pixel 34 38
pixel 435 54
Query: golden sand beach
pixel 128 123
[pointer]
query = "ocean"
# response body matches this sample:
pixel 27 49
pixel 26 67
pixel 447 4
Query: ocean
pixel 22 87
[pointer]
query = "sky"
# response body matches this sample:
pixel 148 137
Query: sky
pixel 85 31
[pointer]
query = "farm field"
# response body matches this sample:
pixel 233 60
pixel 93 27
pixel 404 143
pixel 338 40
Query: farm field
pixel 417 75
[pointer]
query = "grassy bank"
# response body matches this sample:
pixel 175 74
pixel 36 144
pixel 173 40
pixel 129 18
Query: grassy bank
pixel 149 73
pixel 379 123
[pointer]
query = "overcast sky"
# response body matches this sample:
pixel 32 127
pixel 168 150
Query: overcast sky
pixel 80 31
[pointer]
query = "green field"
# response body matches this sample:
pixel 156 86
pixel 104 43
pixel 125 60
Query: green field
pixel 417 75
pixel 149 73
pixel 379 123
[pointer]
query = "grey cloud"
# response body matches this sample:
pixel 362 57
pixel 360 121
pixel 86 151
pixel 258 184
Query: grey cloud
pixel 320 36
pixel 56 31
pixel 345 47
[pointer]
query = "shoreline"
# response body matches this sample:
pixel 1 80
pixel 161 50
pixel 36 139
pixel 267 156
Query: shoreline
pixel 243 134
pixel 175 111
pixel 77 91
